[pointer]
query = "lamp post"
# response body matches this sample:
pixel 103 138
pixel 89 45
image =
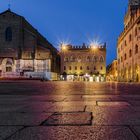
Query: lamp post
pixel 63 48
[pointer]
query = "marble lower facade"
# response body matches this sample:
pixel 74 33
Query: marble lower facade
pixel 11 68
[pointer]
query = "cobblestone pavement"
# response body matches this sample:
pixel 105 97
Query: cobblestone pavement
pixel 35 110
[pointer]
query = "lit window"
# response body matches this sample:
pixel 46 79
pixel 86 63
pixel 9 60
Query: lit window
pixel 69 67
pixel 87 67
pixel 64 67
pixel 125 43
pixel 130 53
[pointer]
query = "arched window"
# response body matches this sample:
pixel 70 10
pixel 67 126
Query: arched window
pixel 79 59
pixel 9 66
pixel 101 59
pixel 8 34
pixel 72 59
pixel 88 59
pixel 95 59
pixel 136 49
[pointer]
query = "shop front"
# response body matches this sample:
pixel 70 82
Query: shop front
pixel 83 77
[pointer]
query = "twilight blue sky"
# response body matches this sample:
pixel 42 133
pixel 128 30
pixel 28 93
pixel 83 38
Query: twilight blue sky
pixel 74 21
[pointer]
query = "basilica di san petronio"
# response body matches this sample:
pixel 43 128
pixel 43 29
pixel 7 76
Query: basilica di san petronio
pixel 70 70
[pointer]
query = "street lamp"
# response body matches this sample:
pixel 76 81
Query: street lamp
pixel 63 47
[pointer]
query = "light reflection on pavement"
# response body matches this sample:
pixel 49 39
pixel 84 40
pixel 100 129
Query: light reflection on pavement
pixel 35 110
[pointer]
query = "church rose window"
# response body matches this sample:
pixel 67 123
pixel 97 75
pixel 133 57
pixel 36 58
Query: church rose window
pixel 8 34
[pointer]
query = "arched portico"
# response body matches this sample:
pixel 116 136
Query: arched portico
pixel 7 65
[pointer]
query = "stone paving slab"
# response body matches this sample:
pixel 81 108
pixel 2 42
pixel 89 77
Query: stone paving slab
pixel 115 98
pixel 101 96
pixel 12 99
pixel 23 118
pixel 110 117
pixel 101 109
pixel 113 103
pixel 10 108
pixel 83 118
pixel 48 98
pixel 7 131
pixel 75 133
pixel 116 115
pixel 13 96
pixel 54 108
pixel 136 130
pixel 130 96
pixel 66 108
pixel 76 103
pixel 36 107
pixel 96 99
pixel 134 103
pixel 136 108
pixel 73 98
